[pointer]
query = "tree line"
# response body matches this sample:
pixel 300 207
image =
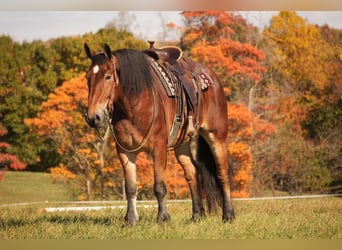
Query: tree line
pixel 283 85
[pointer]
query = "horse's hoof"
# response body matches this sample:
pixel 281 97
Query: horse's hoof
pixel 163 218
pixel 131 220
pixel 196 217
pixel 228 218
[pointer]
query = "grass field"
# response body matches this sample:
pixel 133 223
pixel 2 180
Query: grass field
pixel 268 219
pixel 31 187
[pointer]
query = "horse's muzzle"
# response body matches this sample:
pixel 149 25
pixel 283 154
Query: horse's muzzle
pixel 94 121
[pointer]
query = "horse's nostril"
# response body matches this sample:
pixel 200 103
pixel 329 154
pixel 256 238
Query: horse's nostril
pixel 97 118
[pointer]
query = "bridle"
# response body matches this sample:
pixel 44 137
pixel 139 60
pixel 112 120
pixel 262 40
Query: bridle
pixel 108 117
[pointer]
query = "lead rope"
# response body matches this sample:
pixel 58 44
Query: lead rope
pixel 109 121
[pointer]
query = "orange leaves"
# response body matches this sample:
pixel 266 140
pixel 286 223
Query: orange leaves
pixel 8 161
pixel 68 96
pixel 144 171
pixel 60 107
pixel 177 186
pixel 11 161
pixel 61 174
pixel 239 150
pixel 240 154
pixel 244 129
pixel 194 36
pixel 243 125
pixel 209 39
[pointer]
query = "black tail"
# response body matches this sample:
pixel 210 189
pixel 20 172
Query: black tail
pixel 207 177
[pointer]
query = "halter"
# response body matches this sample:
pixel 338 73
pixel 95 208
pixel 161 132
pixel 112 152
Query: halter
pixel 108 115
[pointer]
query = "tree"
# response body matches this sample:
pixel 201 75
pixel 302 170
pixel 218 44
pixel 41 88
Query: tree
pixel 245 130
pixel 324 130
pixel 210 38
pixel 61 121
pixel 8 161
pixel 289 163
pixel 294 49
pixel 224 42
pixel 29 72
pixel 27 77
pixel 303 91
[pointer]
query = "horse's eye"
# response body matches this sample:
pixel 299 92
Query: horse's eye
pixel 108 77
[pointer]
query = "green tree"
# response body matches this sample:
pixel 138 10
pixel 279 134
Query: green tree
pixel 289 163
pixel 29 72
pixel 61 121
pixel 12 100
pixel 302 93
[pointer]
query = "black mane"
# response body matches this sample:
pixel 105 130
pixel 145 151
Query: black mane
pixel 135 75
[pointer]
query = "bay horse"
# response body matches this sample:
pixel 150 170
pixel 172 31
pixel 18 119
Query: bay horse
pixel 125 91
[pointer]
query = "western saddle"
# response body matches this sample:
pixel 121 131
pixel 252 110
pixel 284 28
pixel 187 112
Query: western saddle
pixel 185 81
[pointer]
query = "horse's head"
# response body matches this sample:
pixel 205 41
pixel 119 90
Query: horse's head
pixel 103 81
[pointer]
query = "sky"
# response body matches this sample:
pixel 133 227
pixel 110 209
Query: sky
pixel 149 25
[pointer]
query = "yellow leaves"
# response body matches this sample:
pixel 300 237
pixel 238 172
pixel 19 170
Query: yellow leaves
pixel 61 174
pixel 298 52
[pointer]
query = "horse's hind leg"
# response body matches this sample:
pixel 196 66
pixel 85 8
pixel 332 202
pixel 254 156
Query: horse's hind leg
pixel 129 168
pixel 222 173
pixel 160 184
pixel 183 157
pixel 219 149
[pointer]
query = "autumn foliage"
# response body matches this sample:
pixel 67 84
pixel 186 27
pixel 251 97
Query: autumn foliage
pixel 7 160
pixel 283 86
pixel 244 130
pixel 93 164
pixel 208 38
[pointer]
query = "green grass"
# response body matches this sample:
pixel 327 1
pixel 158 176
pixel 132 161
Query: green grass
pixel 280 219
pixel 31 187
pixel 267 219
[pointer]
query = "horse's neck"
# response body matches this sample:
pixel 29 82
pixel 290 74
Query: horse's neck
pixel 135 109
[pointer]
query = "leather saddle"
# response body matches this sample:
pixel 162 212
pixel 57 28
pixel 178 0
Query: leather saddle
pixel 169 54
pixel 169 64
pixel 170 58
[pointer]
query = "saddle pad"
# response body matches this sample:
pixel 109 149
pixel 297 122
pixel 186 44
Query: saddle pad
pixel 168 79
pixel 165 78
pixel 205 80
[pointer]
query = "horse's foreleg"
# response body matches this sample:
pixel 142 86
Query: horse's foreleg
pixel 160 184
pixel 183 157
pixel 129 168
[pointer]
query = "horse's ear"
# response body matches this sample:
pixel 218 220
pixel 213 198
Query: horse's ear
pixel 108 51
pixel 90 53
